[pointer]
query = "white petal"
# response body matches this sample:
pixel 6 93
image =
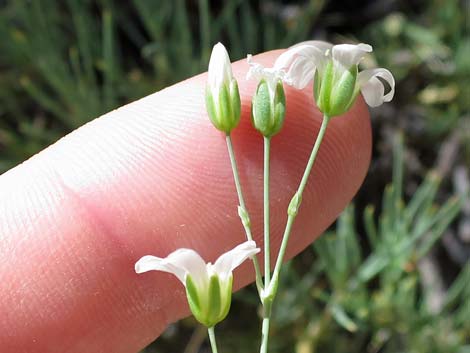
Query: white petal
pixel 153 263
pixel 256 70
pixel 220 69
pixel 315 52
pixel 302 61
pixel 148 263
pixel 259 72
pixel 350 54
pixel 180 263
pixel 373 89
pixel 300 73
pixel 320 44
pixel 227 262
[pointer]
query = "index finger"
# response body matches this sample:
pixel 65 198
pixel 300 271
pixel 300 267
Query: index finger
pixel 148 178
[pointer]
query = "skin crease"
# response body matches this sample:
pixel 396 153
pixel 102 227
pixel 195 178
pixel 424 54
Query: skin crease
pixel 148 178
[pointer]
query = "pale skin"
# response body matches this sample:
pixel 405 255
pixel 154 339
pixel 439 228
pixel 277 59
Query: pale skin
pixel 148 178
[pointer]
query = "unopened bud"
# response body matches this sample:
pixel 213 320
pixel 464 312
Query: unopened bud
pixel 268 107
pixel 222 96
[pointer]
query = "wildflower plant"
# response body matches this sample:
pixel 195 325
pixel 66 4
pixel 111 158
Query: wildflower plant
pixel 333 72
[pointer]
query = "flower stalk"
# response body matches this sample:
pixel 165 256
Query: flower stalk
pixel 267 309
pixel 212 339
pixel 267 248
pixel 242 211
pixel 293 208
pixel 224 109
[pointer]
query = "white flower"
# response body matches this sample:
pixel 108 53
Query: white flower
pixel 268 102
pixel 337 80
pixel 222 96
pixel 208 286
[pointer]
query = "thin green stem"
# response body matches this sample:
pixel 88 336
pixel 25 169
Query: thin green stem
pixel 267 261
pixel 271 292
pixel 265 328
pixel 271 286
pixel 211 332
pixel 267 266
pixel 244 212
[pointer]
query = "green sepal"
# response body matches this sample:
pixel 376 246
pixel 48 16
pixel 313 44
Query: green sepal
pixel 212 305
pixel 267 113
pixel 226 298
pixel 279 113
pixel 343 92
pixel 279 109
pixel 354 97
pixel 235 103
pixel 215 301
pixel 193 298
pixel 261 108
pixel 225 115
pixel 211 109
pixel 325 88
pixel 225 111
pixel 316 86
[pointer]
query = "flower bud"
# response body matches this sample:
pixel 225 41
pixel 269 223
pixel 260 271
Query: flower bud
pixel 268 107
pixel 210 304
pixel 222 96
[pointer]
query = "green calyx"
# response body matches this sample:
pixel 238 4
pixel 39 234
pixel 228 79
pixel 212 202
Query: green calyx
pixel 268 108
pixel 224 107
pixel 210 304
pixel 335 90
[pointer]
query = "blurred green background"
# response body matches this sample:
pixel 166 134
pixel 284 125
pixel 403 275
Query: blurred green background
pixel 393 274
